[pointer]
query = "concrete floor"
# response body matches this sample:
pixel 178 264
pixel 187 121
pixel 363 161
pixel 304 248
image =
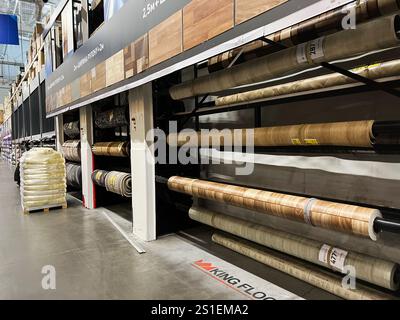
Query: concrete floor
pixel 93 260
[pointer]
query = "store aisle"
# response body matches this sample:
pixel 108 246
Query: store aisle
pixel 92 259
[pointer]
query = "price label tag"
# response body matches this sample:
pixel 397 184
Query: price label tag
pixel 301 53
pixel 317 48
pixel 337 258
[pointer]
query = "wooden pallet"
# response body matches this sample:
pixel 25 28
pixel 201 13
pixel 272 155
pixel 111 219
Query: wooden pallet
pixel 45 209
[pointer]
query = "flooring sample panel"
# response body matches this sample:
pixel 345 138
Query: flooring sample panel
pixel 86 84
pixel 136 57
pixel 247 9
pixel 165 40
pixel 203 20
pixel 75 90
pixel 99 77
pixel 67 30
pixel 115 68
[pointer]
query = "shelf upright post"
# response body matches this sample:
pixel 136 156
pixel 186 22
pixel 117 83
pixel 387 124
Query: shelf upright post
pixel 59 129
pixel 142 162
pixel 87 164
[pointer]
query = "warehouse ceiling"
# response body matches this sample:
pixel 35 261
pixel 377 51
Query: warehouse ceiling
pixel 29 12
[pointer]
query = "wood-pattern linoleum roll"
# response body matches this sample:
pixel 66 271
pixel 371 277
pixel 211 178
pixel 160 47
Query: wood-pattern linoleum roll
pixel 329 282
pixel 74 175
pixel 325 214
pixel 374 35
pixel 112 149
pixel 99 177
pixel 375 71
pixel 111 118
pixel 119 183
pixel 347 134
pixel 71 129
pixel 315 27
pixel 71 150
pixel 373 270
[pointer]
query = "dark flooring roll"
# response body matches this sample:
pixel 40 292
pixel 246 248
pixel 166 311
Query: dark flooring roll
pixel 71 150
pixel 99 177
pixel 74 175
pixel 113 118
pixel 72 129
pixel 310 29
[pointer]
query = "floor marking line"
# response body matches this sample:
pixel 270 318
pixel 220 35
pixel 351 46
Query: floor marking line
pixel 138 248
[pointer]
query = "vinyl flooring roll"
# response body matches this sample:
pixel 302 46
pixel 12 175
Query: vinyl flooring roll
pixel 328 282
pixel 112 149
pixel 119 183
pixel 374 72
pixel 373 270
pixel 71 150
pixel 374 35
pixel 99 177
pixel 347 134
pixel 111 118
pixel 325 214
pixel 320 25
pixel 74 175
pixel 72 129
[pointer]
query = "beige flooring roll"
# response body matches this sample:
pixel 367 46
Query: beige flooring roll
pixel 374 35
pixel 325 214
pixel 71 150
pixel 119 183
pixel 346 134
pixel 325 23
pixel 373 270
pixel 374 72
pixel 318 278
pixel 111 149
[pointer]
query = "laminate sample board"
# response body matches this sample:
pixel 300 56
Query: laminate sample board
pixel 203 20
pixel 86 84
pixel 115 68
pixel 99 77
pixel 67 30
pixel 136 57
pixel 247 9
pixel 165 40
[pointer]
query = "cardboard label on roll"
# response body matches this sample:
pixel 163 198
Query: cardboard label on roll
pixel 337 258
pixel 334 257
pixel 301 53
pixel 323 253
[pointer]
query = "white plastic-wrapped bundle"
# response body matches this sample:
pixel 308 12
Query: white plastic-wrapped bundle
pixel 43 181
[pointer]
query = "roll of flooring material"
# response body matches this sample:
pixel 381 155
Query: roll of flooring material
pixel 74 175
pixel 112 149
pixel 325 214
pixel 72 129
pixel 71 150
pixel 347 134
pixel 119 183
pixel 318 278
pixel 99 177
pixel 374 35
pixel 315 27
pixel 373 270
pixel 111 118
pixel 374 72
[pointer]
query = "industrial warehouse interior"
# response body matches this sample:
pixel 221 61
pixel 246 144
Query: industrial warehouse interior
pixel 230 151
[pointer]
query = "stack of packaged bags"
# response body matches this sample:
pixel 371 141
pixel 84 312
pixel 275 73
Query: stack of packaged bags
pixel 43 181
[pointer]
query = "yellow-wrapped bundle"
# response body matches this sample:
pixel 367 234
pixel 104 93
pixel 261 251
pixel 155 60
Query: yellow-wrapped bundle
pixel 43 181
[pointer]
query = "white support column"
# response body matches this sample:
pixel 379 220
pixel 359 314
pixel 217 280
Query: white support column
pixel 86 126
pixel 142 163
pixel 59 128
